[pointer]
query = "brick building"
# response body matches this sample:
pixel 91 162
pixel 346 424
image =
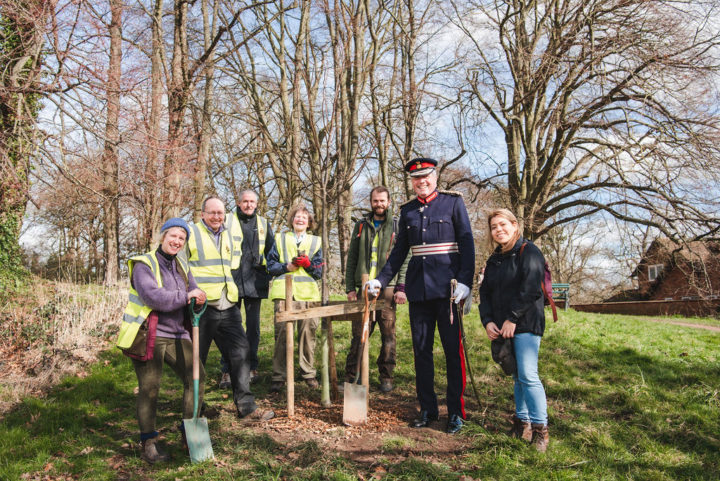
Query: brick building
pixel 670 271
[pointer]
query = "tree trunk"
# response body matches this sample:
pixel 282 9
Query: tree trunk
pixel 154 184
pixel 111 194
pixel 21 45
pixel 178 97
pixel 199 184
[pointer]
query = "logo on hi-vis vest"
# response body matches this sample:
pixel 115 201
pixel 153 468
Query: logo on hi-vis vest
pixel 227 249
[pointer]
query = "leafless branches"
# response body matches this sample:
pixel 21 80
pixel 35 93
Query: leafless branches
pixel 606 106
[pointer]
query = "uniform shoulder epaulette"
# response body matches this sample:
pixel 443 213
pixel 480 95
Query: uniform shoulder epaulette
pixel 407 202
pixel 451 192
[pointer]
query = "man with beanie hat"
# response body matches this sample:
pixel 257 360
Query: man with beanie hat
pixel 370 243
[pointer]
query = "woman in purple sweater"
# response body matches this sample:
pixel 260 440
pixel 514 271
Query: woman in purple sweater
pixel 168 300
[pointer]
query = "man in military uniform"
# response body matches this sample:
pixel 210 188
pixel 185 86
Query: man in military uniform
pixel 435 228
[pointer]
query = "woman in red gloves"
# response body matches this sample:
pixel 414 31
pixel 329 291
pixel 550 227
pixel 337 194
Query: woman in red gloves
pixel 298 254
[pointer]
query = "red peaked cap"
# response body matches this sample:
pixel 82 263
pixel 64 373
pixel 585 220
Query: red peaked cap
pixel 420 166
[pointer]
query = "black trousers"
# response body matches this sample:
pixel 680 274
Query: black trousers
pixel 252 330
pixel 225 328
pixel 424 316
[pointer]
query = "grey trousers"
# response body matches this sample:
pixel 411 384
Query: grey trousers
pixel 306 345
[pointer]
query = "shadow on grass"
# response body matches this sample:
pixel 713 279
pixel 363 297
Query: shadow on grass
pixel 620 403
pixel 87 427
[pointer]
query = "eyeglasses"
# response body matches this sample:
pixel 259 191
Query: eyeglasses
pixel 214 214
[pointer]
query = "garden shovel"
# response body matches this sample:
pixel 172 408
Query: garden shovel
pixel 356 395
pixel 196 429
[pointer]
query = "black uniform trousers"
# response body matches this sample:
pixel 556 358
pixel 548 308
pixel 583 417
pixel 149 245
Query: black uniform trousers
pixel 225 328
pixel 424 315
pixel 252 330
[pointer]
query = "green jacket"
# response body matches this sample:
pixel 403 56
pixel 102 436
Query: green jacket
pixel 358 259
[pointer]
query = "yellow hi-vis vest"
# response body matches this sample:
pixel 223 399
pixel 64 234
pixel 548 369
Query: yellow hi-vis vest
pixel 233 225
pixel 136 310
pixel 211 266
pixel 304 286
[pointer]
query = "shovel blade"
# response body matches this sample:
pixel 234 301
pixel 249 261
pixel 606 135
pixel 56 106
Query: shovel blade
pixel 355 404
pixel 198 439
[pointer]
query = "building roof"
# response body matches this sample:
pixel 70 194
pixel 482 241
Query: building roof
pixel 662 250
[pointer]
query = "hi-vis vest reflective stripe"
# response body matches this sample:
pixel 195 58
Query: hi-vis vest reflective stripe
pixel 232 225
pixel 374 256
pixel 304 286
pixel 209 266
pixel 136 311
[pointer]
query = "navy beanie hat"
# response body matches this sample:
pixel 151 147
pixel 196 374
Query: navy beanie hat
pixel 176 222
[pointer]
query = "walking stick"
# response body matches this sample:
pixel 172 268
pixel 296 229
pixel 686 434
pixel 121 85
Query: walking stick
pixel 461 305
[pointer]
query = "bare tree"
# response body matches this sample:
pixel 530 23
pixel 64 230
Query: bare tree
pixel 111 189
pixel 184 76
pixel 150 203
pixel 605 106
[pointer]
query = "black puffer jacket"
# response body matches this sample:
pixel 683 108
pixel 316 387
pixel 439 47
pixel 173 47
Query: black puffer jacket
pixel 511 289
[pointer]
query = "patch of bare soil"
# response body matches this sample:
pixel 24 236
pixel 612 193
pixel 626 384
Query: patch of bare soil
pixel 386 435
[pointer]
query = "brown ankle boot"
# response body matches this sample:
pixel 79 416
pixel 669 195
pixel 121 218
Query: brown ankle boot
pixel 151 453
pixel 540 437
pixel 521 429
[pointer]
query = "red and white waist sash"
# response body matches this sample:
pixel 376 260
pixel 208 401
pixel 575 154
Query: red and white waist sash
pixel 434 249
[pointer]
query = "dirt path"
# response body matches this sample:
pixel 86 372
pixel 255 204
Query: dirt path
pixel 686 324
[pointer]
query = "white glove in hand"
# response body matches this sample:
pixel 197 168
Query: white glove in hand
pixel 373 286
pixel 461 292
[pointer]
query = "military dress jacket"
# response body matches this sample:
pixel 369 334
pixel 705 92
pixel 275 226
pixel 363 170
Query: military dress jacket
pixel 443 220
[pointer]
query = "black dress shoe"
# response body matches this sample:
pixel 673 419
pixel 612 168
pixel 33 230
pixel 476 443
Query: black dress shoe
pixel 423 420
pixel 455 423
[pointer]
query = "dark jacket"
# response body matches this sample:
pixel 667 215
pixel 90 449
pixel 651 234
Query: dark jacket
pixel 360 250
pixel 511 289
pixel 252 278
pixel 443 219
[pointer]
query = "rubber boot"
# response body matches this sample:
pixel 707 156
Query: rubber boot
pixel 151 453
pixel 540 437
pixel 521 429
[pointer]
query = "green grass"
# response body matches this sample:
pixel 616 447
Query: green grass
pixel 628 399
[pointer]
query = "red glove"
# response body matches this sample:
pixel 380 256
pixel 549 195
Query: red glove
pixel 302 261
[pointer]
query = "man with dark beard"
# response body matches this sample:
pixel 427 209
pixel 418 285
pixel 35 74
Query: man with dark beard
pixel 371 242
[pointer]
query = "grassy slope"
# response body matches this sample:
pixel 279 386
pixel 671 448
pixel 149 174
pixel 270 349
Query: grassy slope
pixel 628 399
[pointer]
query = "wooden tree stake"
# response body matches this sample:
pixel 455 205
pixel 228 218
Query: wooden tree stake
pixel 289 350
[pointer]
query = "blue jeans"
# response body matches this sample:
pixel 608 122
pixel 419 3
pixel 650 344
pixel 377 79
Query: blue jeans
pixel 530 402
